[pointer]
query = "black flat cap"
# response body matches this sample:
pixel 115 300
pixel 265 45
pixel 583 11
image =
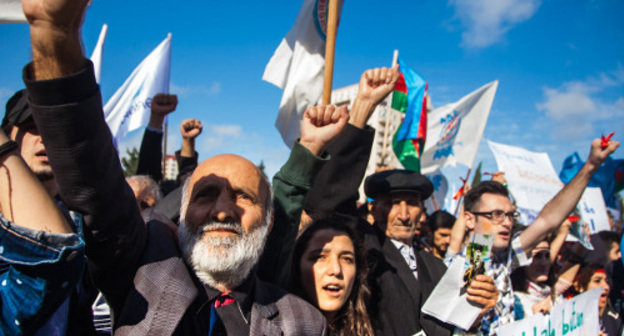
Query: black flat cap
pixel 17 111
pixel 398 180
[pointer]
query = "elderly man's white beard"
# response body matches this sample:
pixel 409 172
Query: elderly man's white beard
pixel 222 261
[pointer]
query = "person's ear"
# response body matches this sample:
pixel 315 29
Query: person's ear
pixel 470 219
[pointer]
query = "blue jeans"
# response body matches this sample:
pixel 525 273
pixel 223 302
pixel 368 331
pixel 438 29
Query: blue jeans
pixel 38 271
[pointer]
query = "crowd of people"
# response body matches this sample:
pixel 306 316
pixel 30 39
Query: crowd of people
pixel 222 251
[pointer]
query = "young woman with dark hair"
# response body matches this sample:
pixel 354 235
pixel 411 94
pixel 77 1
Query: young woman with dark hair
pixel 329 270
pixel 594 276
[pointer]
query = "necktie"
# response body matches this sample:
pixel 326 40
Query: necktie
pixel 223 300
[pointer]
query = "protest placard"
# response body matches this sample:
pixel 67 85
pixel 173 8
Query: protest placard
pixel 575 317
pixel 593 210
pixel 531 177
pixel 448 302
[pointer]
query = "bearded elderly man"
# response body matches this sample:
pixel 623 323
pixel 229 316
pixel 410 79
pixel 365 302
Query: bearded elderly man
pixel 205 284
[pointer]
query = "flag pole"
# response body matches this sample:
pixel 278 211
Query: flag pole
pixel 330 49
pixel 164 158
pixel 395 59
pixel 461 197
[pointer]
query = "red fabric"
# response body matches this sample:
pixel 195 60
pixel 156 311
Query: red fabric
pixel 223 300
pixel 400 84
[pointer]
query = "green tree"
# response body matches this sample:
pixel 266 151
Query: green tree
pixel 477 176
pixel 261 166
pixel 130 162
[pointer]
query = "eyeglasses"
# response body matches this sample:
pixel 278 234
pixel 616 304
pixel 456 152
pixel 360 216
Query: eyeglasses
pixel 498 216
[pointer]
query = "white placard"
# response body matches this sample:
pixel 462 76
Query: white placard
pixel 531 177
pixel 593 210
pixel 575 317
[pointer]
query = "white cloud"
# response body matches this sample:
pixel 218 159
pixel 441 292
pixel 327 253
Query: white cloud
pixel 188 90
pixel 487 21
pixel 576 105
pixel 227 130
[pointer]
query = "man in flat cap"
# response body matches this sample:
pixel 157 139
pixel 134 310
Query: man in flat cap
pixel 405 276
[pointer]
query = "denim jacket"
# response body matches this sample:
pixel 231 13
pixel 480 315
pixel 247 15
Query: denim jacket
pixel 38 271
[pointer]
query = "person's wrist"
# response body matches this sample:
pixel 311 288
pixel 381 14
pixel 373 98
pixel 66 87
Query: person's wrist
pixel 313 146
pixel 56 52
pixel 360 111
pixel 156 121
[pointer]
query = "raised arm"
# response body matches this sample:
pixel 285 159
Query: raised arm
pixel 336 187
pixel 187 156
pixel 319 126
pixel 150 154
pixel 558 208
pixel 67 109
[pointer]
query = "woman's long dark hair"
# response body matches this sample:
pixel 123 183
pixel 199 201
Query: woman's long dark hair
pixel 352 318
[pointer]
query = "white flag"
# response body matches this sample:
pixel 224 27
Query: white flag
pixel 454 130
pixel 11 11
pixel 297 67
pixel 129 108
pixel 96 56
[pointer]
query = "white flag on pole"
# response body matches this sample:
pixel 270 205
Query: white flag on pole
pixel 454 130
pixel 297 67
pixel 96 56
pixel 11 11
pixel 129 108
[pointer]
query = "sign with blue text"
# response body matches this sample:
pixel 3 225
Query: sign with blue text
pixel 575 317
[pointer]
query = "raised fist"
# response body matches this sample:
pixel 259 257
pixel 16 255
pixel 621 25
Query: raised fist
pixel 376 84
pixel 598 154
pixel 163 104
pixel 320 125
pixel 190 128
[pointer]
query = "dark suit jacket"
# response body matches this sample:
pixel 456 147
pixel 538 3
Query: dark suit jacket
pixel 397 297
pixel 137 267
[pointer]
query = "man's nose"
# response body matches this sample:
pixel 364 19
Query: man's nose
pixel 403 213
pixel 224 209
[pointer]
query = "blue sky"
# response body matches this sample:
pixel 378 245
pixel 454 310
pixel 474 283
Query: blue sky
pixel 560 64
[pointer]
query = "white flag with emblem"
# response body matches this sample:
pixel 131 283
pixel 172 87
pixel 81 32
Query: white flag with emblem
pixel 454 130
pixel 129 108
pixel 11 11
pixel 297 67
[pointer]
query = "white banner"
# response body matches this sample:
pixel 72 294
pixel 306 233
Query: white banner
pixel 454 130
pixel 96 56
pixel 11 11
pixel 575 317
pixel 129 108
pixel 593 210
pixel 531 177
pixel 297 67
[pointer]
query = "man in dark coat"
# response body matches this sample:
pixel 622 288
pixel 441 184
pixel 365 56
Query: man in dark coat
pixel 154 284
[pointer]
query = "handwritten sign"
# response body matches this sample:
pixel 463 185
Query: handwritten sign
pixel 593 210
pixel 575 317
pixel 531 177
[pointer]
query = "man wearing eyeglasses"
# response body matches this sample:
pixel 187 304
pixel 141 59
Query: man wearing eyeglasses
pixel 488 209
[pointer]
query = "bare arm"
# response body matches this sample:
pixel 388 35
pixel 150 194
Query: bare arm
pixel 556 244
pixel 20 189
pixel 558 208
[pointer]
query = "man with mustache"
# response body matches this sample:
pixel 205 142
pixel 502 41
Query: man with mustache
pixel 206 283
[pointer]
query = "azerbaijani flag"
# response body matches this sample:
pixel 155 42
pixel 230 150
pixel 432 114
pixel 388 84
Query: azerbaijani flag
pixel 409 98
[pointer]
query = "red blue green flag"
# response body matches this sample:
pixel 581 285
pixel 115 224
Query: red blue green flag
pixel 409 98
